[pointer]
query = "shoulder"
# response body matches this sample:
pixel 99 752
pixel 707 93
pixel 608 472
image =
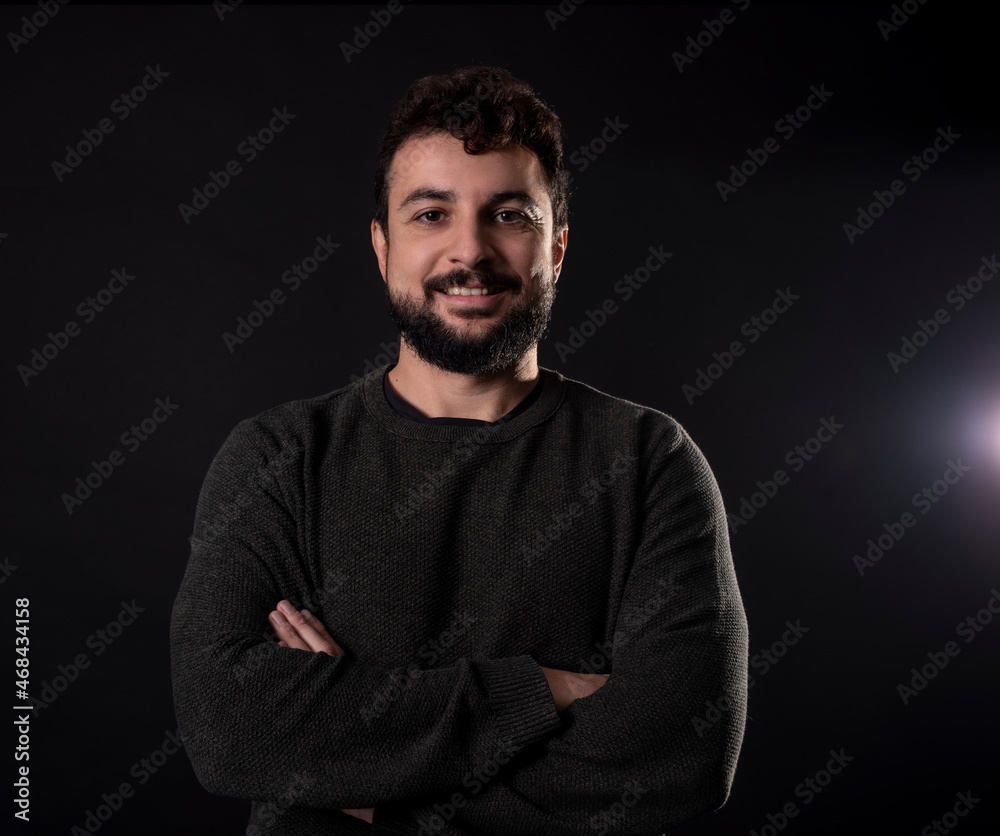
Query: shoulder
pixel 280 435
pixel 610 413
pixel 661 451
pixel 296 422
pixel 264 455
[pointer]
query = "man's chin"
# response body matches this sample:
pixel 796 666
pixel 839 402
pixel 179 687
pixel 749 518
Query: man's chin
pixel 463 340
pixel 463 354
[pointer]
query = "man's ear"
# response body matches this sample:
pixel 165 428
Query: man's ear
pixel 381 246
pixel 559 250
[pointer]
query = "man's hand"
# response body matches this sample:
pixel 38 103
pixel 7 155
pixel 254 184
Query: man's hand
pixel 567 686
pixel 303 631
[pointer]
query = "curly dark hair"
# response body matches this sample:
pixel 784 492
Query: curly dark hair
pixel 488 109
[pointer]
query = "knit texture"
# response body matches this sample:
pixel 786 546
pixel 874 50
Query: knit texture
pixel 585 534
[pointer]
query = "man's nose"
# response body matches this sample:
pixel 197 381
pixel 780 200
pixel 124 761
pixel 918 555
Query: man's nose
pixel 470 245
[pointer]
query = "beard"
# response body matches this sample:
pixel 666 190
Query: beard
pixel 501 348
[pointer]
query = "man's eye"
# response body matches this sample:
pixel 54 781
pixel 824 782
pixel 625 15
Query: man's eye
pixel 511 216
pixel 430 216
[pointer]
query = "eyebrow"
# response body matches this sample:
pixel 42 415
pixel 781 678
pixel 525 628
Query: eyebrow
pixel 526 200
pixel 427 194
pixel 419 195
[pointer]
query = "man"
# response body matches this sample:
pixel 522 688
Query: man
pixel 502 599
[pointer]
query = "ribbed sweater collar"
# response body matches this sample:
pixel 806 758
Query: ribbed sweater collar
pixel 544 408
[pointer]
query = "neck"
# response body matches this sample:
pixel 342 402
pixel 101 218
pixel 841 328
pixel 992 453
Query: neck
pixel 440 394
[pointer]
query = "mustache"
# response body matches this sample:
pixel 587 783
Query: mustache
pixel 460 278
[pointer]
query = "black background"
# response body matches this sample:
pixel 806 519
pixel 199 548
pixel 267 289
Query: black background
pixel 654 185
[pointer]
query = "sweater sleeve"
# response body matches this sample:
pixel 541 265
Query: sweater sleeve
pixel 657 744
pixel 252 713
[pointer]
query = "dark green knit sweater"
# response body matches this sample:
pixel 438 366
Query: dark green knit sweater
pixel 587 534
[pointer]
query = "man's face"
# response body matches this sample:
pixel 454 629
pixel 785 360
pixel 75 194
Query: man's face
pixel 470 274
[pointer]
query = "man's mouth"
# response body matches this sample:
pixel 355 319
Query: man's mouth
pixel 476 290
pixel 455 290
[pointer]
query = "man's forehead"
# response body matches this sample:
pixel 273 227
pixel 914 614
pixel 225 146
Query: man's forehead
pixel 439 162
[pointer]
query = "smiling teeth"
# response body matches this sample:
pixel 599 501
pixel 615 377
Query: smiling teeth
pixel 469 291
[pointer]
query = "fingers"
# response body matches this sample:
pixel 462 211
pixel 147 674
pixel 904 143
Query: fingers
pixel 317 625
pixel 365 814
pixel 302 630
pixel 286 633
pixel 586 684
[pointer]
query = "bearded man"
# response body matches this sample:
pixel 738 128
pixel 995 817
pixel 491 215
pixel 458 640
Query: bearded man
pixel 500 599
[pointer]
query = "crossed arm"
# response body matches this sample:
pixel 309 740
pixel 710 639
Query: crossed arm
pixel 301 630
pixel 240 699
